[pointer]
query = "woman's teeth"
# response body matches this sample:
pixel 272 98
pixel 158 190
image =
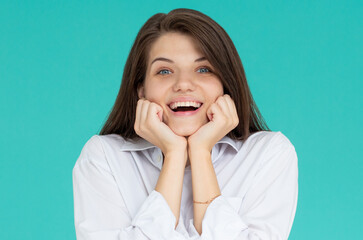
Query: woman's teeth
pixel 175 105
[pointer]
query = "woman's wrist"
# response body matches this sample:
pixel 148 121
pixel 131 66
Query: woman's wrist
pixel 194 146
pixel 197 150
pixel 175 147
pixel 196 154
pixel 178 154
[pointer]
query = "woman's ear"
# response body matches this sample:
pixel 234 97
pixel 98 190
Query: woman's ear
pixel 140 92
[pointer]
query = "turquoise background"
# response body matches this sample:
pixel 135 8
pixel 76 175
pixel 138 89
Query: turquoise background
pixel 61 64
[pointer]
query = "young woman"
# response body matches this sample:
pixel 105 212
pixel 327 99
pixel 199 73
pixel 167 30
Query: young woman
pixel 185 153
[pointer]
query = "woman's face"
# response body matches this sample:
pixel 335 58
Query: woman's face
pixel 177 75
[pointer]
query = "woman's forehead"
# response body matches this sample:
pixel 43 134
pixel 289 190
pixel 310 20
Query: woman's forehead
pixel 174 44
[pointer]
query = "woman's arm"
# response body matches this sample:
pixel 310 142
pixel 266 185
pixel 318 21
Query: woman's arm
pixel 268 207
pixel 170 182
pixel 100 212
pixel 204 182
pixel 223 118
pixel 149 125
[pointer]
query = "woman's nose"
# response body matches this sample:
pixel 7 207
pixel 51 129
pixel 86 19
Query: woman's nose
pixel 184 82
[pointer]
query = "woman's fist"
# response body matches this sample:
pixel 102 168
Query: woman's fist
pixel 223 118
pixel 150 126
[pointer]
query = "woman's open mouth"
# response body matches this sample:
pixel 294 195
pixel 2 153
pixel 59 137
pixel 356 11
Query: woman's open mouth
pixel 185 108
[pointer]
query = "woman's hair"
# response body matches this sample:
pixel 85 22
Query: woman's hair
pixel 219 50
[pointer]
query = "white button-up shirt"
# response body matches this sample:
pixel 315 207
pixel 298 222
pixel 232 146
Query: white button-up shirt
pixel 114 195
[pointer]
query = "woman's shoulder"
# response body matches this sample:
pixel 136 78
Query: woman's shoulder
pixel 271 145
pixel 97 142
pixel 276 137
pixel 268 141
pixel 97 147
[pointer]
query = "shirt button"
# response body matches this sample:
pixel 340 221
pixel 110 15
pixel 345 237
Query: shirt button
pixel 160 158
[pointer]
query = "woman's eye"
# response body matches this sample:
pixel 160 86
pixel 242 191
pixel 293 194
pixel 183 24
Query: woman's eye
pixel 204 69
pixel 201 70
pixel 161 72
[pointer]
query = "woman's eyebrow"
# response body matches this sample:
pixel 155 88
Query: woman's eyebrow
pixel 170 61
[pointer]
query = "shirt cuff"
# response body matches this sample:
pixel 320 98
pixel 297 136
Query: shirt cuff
pixel 221 219
pixel 155 218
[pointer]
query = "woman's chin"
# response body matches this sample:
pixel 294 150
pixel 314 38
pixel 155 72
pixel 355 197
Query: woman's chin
pixel 185 131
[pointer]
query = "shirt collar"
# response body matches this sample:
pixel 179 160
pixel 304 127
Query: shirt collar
pixel 141 144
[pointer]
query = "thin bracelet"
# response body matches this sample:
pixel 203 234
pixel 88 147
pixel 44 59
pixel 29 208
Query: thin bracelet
pixel 207 202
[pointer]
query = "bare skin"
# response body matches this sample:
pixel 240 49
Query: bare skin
pixel 178 71
pixel 179 150
pixel 149 126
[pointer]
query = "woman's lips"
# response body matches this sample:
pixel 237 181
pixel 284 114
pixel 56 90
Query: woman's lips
pixel 184 113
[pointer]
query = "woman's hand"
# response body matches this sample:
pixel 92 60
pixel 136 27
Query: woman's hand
pixel 223 118
pixel 150 126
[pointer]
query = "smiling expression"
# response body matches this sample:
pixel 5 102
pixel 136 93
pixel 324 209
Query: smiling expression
pixel 178 74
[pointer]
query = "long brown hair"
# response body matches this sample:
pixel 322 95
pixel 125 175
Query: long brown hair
pixel 219 50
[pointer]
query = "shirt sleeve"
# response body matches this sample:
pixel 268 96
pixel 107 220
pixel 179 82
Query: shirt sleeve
pixel 99 209
pixel 268 208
